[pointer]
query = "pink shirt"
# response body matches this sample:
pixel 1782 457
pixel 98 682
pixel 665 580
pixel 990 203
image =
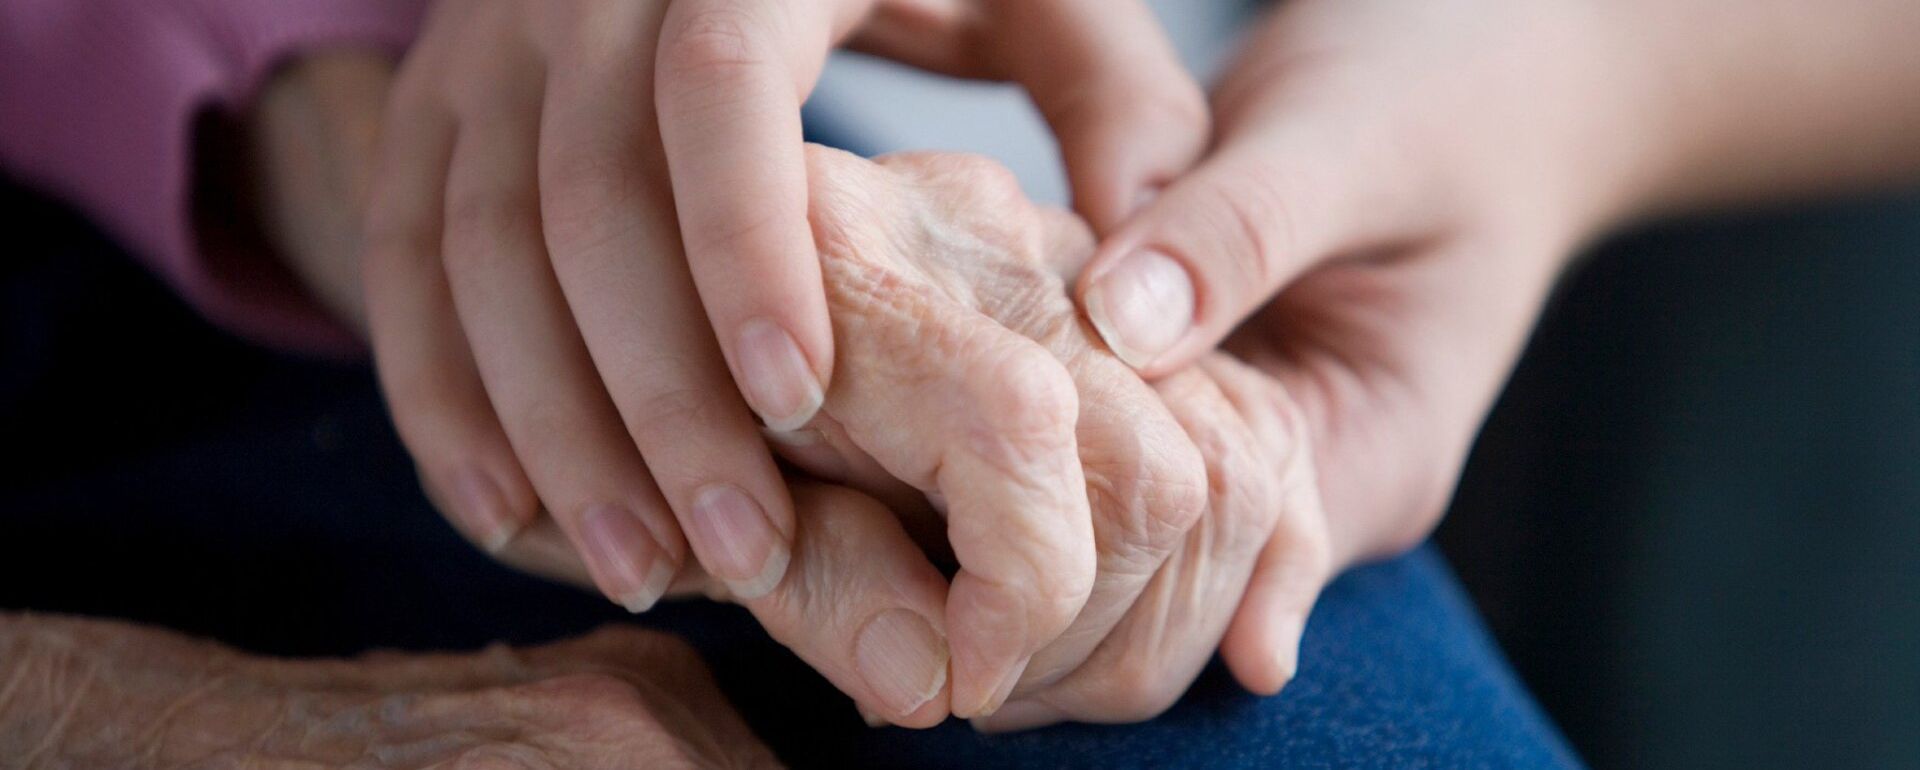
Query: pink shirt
pixel 98 100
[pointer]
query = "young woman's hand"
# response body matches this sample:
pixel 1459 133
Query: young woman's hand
pixel 1394 185
pixel 589 225
pixel 1408 178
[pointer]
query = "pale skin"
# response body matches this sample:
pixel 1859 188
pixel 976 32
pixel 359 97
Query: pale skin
pixel 570 197
pixel 1188 477
pixel 587 240
pixel 1412 187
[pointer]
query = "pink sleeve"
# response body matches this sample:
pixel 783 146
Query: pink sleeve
pixel 98 101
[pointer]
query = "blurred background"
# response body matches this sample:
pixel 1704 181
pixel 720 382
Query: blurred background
pixel 1694 518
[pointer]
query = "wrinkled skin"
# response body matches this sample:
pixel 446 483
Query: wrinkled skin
pixel 78 693
pixel 1124 534
pixel 967 375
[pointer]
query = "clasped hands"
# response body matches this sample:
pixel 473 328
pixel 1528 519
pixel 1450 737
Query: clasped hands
pixel 1342 285
pixel 1109 533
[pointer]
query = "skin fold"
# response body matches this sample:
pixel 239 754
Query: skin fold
pixel 948 292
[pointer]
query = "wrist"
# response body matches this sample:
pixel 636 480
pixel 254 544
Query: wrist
pixel 1614 148
pixel 313 135
pixel 1743 102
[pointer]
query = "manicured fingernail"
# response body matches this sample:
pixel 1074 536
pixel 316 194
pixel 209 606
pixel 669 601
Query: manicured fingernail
pixel 483 509
pixel 902 659
pixel 779 383
pixel 873 720
pixel 629 566
pixel 737 542
pixel 1142 306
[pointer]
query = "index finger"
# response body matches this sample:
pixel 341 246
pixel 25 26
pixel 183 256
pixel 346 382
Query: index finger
pixel 729 79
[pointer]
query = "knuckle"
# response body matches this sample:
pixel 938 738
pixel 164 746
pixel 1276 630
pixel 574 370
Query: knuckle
pixel 1255 221
pixel 712 43
pixel 587 187
pixel 724 230
pixel 481 219
pixel 1026 395
pixel 671 407
pixel 1153 494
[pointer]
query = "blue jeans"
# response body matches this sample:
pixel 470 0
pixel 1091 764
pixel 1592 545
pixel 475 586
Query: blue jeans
pixel 265 501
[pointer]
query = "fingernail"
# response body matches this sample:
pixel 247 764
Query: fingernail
pixel 1002 693
pixel 779 383
pixel 483 510
pixel 737 542
pixel 902 659
pixel 1142 306
pixel 629 566
pixel 873 720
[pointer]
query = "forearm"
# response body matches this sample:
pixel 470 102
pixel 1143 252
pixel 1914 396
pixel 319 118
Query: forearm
pixel 1752 100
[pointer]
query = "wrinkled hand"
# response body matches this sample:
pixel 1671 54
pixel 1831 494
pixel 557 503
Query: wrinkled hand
pixel 1106 530
pixel 588 260
pixel 82 693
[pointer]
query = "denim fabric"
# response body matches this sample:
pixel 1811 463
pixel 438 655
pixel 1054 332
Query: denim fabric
pixel 165 473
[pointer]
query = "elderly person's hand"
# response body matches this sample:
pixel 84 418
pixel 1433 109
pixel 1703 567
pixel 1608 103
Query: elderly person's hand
pixel 84 693
pixel 1106 530
pixel 588 240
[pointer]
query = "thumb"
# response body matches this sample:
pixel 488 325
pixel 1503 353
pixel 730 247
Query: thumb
pixel 1220 242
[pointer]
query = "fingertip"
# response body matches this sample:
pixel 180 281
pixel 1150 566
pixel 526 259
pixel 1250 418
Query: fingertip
pixel 989 656
pixel 1265 655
